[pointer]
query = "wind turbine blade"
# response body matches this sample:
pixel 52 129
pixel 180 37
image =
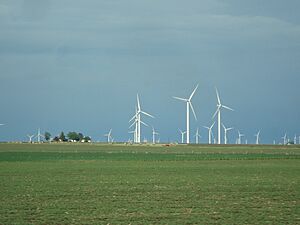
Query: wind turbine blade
pixel 132 124
pixel 133 117
pixel 181 99
pixel 218 97
pixel 223 126
pixel 147 114
pixel 193 92
pixel 193 110
pixel 144 124
pixel 206 127
pixel 230 128
pixel 2 124
pixel 212 125
pixel 216 112
pixel 138 102
pixel 226 107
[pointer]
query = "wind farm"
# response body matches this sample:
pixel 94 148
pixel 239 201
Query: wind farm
pixel 149 112
pixel 194 174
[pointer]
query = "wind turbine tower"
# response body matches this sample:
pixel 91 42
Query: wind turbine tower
pixel 138 121
pixel 188 106
pixel 197 135
pixel 30 138
pixel 153 135
pixel 257 137
pixel 219 107
pixel 225 133
pixel 210 132
pixel 109 137
pixel 284 139
pixel 182 135
pixel 240 137
pixel 39 135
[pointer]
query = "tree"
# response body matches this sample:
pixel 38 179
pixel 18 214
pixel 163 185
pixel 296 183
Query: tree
pixel 62 137
pixel 47 136
pixel 56 139
pixel 87 139
pixel 80 136
pixel 73 136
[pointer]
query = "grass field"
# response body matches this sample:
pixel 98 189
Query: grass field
pixel 119 184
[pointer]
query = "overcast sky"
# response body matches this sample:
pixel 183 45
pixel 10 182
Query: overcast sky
pixel 71 65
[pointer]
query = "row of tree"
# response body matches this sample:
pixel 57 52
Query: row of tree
pixel 70 137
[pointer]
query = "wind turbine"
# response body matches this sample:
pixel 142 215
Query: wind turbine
pixel 138 121
pixel 30 138
pixel 136 126
pixel 295 139
pixel 182 135
pixel 197 135
pixel 257 137
pixel 240 137
pixel 225 133
pixel 134 135
pixel 188 106
pixel 219 106
pixel 153 135
pixel 284 139
pixel 209 132
pixel 109 137
pixel 135 132
pixel 39 135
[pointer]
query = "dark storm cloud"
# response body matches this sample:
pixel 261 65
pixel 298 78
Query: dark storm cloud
pixel 100 53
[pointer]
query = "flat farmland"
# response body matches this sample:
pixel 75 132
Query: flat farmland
pixel 121 184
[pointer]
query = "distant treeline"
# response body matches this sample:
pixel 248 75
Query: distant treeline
pixel 70 137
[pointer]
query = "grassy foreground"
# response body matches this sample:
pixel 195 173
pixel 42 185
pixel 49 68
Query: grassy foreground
pixel 118 184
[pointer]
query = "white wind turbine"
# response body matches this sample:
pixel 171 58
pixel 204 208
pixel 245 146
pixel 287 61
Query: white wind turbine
pixel 295 139
pixel 109 137
pixel 240 137
pixel 225 133
pixel 188 106
pixel 135 132
pixel 153 135
pixel 30 138
pixel 134 135
pixel 219 106
pixel 210 132
pixel 284 139
pixel 39 135
pixel 138 121
pixel 257 137
pixel 182 135
pixel 197 135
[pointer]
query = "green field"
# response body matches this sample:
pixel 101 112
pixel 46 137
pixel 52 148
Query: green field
pixel 119 184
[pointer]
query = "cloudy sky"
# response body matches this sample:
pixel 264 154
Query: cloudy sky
pixel 74 65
